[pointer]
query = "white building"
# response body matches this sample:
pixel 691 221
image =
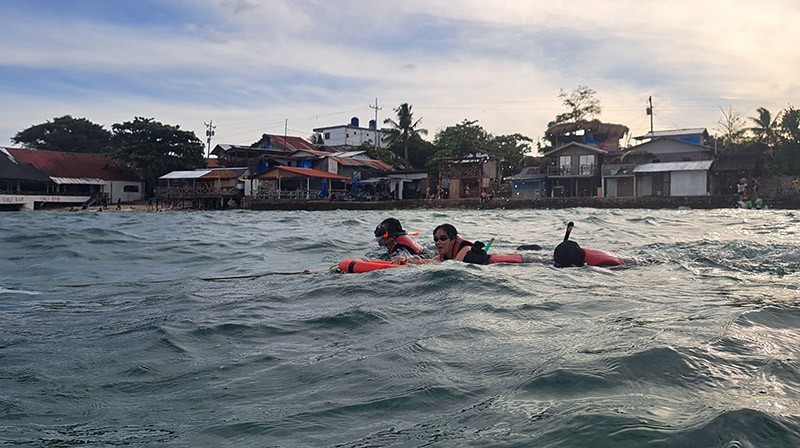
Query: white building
pixel 350 134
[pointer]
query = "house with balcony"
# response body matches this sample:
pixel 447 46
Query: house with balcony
pixel 576 170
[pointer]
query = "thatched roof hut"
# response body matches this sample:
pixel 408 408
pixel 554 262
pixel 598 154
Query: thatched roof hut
pixel 601 132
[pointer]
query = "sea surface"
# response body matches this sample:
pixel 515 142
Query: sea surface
pixel 195 329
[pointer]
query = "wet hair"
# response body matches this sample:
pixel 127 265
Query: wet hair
pixel 393 226
pixel 390 226
pixel 568 254
pixel 449 229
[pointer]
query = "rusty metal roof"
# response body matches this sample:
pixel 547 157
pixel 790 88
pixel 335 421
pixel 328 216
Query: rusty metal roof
pixel 307 172
pixel 12 169
pixel 207 173
pixel 369 163
pixel 73 164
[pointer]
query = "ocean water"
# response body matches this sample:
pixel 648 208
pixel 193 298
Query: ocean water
pixel 199 329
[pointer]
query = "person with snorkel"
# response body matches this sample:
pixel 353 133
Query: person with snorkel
pixel 452 247
pixel 390 234
pixel 569 254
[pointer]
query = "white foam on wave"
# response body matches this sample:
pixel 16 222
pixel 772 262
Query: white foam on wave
pixel 18 291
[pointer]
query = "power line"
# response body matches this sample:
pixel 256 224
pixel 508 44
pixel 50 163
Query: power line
pixel 377 136
pixel 209 133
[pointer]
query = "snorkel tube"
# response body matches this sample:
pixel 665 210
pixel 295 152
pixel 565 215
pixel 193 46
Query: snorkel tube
pixel 570 225
pixel 489 244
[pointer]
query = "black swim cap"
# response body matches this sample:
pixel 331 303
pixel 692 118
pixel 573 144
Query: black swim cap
pixel 568 254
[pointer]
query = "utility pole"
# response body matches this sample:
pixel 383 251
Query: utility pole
pixel 286 134
pixel 377 134
pixel 209 133
pixel 650 112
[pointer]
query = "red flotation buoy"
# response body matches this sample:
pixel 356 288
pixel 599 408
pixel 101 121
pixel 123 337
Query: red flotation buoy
pixel 505 258
pixel 361 265
pixel 599 258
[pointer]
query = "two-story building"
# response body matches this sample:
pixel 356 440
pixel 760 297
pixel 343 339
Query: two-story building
pixel 664 166
pixel 580 149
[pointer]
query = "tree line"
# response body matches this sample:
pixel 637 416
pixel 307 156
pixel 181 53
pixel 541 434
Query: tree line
pixel 147 146
pixel 154 149
pixel 775 139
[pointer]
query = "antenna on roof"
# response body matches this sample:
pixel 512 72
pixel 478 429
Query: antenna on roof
pixel 650 112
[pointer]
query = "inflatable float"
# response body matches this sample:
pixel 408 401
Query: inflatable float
pixel 600 258
pixel 361 265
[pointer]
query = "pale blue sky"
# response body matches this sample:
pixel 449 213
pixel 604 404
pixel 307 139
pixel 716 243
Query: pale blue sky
pixel 252 65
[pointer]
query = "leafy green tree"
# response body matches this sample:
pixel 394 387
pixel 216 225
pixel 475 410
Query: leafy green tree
pixel 403 130
pixel 420 151
pixel 155 149
pixel 510 149
pixel 66 134
pixel 582 104
pixel 464 139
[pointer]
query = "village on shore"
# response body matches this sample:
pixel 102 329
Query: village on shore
pixel 668 169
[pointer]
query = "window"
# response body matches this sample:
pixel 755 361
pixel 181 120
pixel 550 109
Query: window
pixel 564 163
pixel 587 164
pixel 130 189
pixel 327 136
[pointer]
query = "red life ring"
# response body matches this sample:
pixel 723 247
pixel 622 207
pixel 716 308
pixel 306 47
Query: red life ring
pixel 361 265
pixel 599 258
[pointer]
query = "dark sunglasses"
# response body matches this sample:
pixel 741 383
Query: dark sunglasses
pixel 380 232
pixel 440 238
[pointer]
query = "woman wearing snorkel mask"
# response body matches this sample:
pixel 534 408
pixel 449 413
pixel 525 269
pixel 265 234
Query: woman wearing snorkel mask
pixel 390 234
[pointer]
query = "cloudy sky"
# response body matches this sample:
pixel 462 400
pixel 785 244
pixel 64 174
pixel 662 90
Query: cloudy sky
pixel 262 66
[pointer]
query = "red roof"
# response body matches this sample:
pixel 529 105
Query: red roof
pixel 73 164
pixel 212 163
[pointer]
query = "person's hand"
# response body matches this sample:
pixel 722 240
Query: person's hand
pixel 399 260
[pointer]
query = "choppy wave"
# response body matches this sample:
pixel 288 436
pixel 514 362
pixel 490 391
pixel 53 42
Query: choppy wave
pixel 187 329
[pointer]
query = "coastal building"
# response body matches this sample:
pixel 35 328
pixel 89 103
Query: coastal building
pixel 576 172
pixel 271 150
pixel 464 178
pixel 36 178
pixel 529 183
pixel 579 150
pixel 211 188
pixel 695 136
pixel 664 166
pixel 293 183
pixel 350 134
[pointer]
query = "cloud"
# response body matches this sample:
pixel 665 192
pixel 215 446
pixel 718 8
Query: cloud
pixel 251 65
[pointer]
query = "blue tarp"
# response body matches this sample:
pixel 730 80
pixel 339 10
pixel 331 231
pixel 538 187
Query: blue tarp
pixel 323 192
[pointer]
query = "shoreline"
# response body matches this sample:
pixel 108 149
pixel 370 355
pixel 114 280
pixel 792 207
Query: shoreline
pixel 660 202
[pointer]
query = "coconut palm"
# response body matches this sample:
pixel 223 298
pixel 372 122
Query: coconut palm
pixel 766 128
pixel 404 129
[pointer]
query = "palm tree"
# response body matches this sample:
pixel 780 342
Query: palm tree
pixel 404 129
pixel 765 128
